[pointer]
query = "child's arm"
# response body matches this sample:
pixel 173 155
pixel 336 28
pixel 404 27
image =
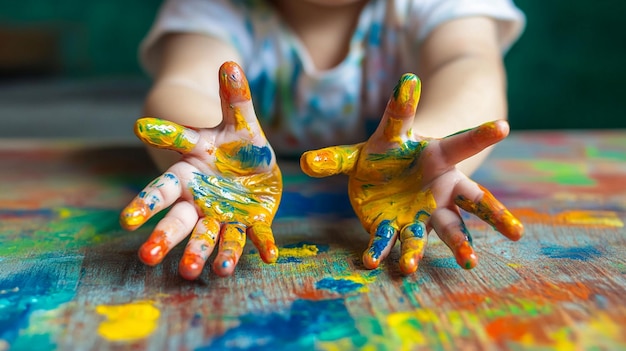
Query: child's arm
pixel 464 80
pixel 185 89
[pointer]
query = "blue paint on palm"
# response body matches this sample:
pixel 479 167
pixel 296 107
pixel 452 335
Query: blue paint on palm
pixel 252 156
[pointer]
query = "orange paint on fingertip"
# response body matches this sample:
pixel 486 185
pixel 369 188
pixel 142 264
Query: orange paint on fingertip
pixel 233 83
pixel 154 249
pixel 408 264
pixel 191 266
pixel 269 252
pixel 369 261
pixel 465 256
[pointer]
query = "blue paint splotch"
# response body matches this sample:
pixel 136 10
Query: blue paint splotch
pixel 299 328
pixel 579 253
pixel 40 286
pixel 443 262
pixel 341 286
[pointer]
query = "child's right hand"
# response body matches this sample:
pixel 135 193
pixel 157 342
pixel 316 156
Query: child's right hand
pixel 226 186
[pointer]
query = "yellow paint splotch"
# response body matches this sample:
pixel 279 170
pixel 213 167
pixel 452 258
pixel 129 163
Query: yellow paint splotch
pixel 306 250
pixel 128 322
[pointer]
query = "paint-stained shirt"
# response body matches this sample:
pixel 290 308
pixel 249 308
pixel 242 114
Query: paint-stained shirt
pixel 301 107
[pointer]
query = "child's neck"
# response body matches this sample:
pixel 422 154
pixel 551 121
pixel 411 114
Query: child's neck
pixel 325 30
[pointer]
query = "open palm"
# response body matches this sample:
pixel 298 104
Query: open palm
pixel 402 185
pixel 227 186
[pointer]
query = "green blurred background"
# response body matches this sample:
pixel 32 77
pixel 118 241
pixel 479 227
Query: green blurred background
pixel 567 70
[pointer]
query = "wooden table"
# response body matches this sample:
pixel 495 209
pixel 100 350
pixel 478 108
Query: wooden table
pixel 70 278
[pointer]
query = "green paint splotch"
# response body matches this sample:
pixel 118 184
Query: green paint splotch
pixel 56 231
pixel 564 173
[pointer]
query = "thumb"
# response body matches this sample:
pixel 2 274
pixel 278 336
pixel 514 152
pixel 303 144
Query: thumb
pixel 237 107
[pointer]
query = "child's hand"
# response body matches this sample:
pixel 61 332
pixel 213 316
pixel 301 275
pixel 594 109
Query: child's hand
pixel 226 186
pixel 402 184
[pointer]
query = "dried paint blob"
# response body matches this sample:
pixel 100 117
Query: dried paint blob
pixel 128 322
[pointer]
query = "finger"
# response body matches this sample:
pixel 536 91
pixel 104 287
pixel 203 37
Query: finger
pixel 380 245
pixel 237 108
pixel 166 135
pixel 159 194
pixel 413 238
pixel 330 161
pixel 199 248
pixel 452 230
pixel 485 206
pixel 170 231
pixel 462 145
pixel 263 238
pixel 233 238
pixel 397 122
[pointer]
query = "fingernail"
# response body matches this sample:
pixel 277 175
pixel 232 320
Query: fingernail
pixel 406 95
pixel 233 83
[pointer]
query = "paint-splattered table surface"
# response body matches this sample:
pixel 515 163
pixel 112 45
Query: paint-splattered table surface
pixel 70 278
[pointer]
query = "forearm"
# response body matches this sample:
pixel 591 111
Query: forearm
pixel 460 94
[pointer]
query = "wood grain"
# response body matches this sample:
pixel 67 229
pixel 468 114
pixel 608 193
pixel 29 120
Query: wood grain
pixel 70 278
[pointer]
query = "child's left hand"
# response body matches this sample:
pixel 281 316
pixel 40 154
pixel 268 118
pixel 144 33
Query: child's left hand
pixel 403 185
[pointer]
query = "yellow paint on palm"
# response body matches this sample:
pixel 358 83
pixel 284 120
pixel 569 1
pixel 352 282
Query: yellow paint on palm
pixel 249 199
pixel 241 158
pixel 388 186
pixel 164 134
pixel 128 322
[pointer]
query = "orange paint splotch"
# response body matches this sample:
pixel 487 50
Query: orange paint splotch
pixel 584 218
pixel 514 328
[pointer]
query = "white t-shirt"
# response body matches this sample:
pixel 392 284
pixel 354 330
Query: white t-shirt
pixel 299 107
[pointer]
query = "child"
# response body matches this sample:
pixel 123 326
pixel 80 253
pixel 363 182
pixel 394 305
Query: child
pixel 320 73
